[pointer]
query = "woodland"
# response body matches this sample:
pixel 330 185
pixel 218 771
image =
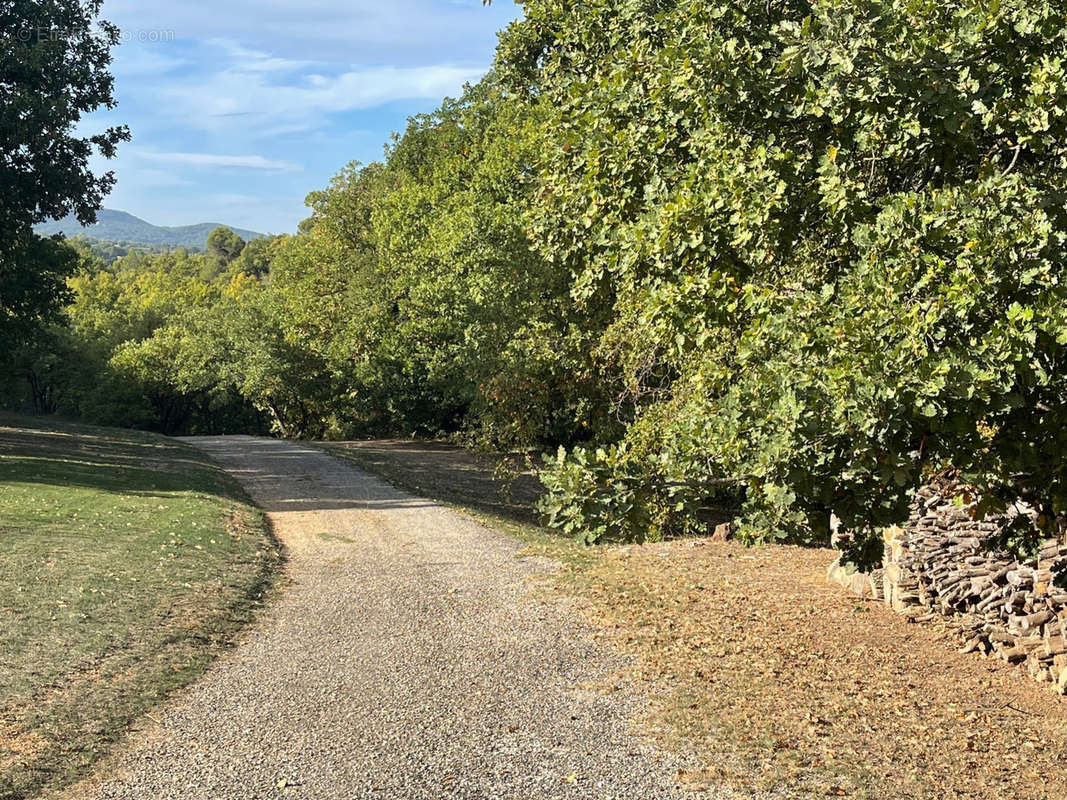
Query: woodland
pixel 791 258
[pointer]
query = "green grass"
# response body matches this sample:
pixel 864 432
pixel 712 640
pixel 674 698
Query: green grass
pixel 127 563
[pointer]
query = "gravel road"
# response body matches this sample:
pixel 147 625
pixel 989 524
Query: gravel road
pixel 407 657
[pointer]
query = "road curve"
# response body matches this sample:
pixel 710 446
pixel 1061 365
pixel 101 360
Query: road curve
pixel 407 657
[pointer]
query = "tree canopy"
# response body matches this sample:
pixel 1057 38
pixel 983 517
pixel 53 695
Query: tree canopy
pixel 794 258
pixel 831 239
pixel 224 244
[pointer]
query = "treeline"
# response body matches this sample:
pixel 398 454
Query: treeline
pixel 790 257
pixel 109 251
pixel 134 345
pixel 410 302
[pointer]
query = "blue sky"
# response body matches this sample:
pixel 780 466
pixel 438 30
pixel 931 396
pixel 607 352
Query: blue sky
pixel 239 108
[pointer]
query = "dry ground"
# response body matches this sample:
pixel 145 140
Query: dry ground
pixel 780 680
pixel 503 485
pixel 774 679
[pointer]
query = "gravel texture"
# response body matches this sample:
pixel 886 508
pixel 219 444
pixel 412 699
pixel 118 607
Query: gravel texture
pixel 407 657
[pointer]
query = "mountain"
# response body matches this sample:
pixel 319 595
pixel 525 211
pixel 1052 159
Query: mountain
pixel 118 226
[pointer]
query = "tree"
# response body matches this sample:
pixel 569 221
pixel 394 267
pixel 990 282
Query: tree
pixel 274 362
pixel 822 244
pixel 54 61
pixel 467 327
pixel 224 244
pixel 33 273
pixel 256 257
pixel 44 372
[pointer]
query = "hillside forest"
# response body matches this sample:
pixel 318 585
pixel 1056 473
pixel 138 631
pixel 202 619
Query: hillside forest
pixel 791 257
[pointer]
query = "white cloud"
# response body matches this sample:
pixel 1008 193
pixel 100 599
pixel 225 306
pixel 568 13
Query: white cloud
pixel 256 60
pixel 283 92
pixel 242 94
pixel 134 60
pixel 253 103
pixel 220 161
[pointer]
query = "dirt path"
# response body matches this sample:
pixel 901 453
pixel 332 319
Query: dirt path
pixel 407 659
pixel 777 680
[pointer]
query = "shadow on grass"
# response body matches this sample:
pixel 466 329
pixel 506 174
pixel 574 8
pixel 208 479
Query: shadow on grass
pixel 58 453
pixel 111 599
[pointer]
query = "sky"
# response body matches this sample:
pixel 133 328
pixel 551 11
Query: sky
pixel 239 108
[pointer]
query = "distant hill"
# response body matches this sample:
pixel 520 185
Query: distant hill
pixel 118 226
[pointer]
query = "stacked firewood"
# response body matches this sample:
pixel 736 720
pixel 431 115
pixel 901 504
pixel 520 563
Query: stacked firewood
pixel 940 565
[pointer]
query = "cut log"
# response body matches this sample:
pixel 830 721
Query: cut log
pixel 940 564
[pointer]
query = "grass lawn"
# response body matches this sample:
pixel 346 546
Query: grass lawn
pixel 770 678
pixel 127 563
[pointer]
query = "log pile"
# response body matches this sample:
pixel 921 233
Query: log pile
pixel 939 565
